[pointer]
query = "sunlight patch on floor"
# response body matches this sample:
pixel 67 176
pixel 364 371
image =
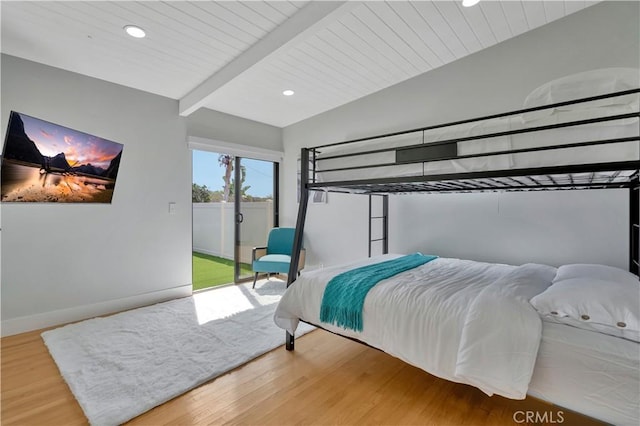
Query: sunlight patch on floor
pixel 223 302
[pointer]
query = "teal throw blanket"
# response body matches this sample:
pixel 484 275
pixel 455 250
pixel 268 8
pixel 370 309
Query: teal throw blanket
pixel 344 295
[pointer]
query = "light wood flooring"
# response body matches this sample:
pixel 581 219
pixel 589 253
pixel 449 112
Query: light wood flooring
pixel 326 380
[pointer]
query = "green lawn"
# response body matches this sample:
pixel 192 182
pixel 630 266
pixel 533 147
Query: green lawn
pixel 211 271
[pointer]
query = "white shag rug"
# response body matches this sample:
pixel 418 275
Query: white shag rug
pixel 122 365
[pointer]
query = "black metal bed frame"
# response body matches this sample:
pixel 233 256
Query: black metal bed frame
pixel 617 174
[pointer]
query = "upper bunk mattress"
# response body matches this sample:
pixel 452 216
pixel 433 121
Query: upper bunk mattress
pixel 333 166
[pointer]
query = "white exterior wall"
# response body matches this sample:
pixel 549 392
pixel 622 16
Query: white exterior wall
pixel 213 228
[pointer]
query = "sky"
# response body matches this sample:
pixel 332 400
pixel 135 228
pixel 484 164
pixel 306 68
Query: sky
pixel 207 171
pixel 78 147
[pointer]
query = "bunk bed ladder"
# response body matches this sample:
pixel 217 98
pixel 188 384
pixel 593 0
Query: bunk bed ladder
pixel 634 225
pixel 382 220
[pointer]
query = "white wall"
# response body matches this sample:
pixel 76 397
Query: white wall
pixel 66 262
pixel 218 126
pixel 547 227
pixel 462 225
pixel 69 261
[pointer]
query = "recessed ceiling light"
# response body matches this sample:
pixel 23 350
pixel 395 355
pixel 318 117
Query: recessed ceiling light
pixel 469 3
pixel 288 92
pixel 134 31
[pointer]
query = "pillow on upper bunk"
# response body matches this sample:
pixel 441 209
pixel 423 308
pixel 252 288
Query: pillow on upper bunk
pixel 582 85
pixel 593 297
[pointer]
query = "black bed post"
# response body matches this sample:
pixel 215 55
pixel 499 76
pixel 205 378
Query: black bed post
pixel 297 239
pixel 634 224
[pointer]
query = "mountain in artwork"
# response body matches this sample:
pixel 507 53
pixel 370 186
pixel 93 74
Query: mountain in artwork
pixel 19 146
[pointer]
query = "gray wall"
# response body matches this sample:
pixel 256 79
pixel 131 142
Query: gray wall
pixel 62 263
pixel 550 228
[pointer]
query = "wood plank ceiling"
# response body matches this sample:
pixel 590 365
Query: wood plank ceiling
pixel 238 56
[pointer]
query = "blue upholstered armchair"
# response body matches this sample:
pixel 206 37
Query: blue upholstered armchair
pixel 276 256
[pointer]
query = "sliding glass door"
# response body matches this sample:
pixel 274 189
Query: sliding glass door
pixel 256 208
pixel 234 207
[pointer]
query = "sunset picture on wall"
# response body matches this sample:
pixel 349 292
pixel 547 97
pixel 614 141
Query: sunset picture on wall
pixel 46 162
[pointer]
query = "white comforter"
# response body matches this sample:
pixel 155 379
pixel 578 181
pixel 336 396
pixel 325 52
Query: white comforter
pixel 464 321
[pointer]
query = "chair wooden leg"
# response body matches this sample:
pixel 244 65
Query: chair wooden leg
pixel 255 278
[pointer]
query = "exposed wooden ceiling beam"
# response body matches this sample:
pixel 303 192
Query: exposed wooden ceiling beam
pixel 304 23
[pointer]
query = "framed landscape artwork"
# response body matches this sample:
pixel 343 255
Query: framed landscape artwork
pixel 46 162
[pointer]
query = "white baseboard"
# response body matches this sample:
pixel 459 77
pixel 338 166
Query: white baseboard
pixel 63 316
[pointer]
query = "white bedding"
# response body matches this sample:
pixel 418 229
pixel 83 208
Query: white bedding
pixel 588 372
pixel 623 151
pixel 464 321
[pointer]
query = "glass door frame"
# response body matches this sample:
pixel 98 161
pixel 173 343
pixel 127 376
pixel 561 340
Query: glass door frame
pixel 237 208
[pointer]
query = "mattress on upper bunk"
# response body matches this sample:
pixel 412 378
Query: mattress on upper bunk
pixel 395 160
pixel 589 372
pixel 369 164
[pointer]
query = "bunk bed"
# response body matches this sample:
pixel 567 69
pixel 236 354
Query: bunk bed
pixel 586 143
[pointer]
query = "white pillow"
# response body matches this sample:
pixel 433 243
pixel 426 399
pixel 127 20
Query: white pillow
pixel 592 270
pixel 582 85
pixel 606 302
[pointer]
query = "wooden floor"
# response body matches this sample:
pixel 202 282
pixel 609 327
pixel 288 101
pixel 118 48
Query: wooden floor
pixel 326 380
